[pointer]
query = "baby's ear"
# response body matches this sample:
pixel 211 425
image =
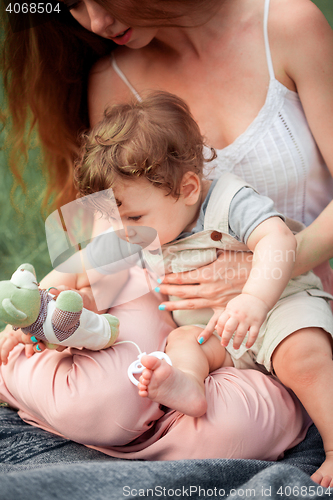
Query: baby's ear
pixel 190 188
pixel 28 267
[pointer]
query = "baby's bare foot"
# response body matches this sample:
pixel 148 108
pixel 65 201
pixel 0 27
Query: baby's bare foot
pixel 324 475
pixel 171 387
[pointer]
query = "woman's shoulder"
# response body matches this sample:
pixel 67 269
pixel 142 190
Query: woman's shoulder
pixel 294 17
pixel 299 35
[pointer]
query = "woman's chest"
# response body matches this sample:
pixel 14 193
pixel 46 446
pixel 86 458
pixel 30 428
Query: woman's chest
pixel 225 87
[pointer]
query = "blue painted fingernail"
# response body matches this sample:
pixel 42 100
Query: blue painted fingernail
pixel 38 348
pixel 161 307
pixel 33 338
pixel 157 289
pixel 159 281
pixel 201 340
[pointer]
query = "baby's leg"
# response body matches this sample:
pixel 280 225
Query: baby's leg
pixel 303 362
pixel 181 386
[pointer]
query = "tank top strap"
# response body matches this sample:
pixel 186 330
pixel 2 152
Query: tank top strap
pixel 123 77
pixel 267 48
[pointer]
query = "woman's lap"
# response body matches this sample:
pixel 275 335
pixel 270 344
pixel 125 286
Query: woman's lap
pixel 242 405
pixel 87 397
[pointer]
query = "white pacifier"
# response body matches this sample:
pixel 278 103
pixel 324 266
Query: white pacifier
pixel 137 367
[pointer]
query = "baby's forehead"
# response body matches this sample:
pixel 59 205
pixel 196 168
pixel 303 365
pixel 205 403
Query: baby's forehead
pixel 133 191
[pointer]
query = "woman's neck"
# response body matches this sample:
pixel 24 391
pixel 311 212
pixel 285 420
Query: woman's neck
pixel 193 39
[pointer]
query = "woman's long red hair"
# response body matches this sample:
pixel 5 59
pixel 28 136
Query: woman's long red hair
pixel 45 72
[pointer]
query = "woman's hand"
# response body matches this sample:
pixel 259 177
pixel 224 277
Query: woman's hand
pixel 209 286
pixel 10 338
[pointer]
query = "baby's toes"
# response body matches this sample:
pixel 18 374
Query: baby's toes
pixel 317 477
pixel 144 381
pixel 143 392
pixel 142 387
pixel 326 482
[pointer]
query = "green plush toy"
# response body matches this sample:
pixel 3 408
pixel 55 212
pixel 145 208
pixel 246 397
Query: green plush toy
pixel 63 321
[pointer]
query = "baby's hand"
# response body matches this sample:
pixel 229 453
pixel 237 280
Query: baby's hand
pixel 245 313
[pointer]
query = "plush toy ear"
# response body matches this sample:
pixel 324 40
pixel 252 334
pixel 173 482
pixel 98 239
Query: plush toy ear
pixel 25 277
pixel 28 267
pixel 12 311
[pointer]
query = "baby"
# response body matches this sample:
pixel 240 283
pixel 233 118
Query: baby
pixel 151 154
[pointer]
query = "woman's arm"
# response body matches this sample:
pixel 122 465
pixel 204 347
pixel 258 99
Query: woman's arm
pixel 308 45
pixel 315 243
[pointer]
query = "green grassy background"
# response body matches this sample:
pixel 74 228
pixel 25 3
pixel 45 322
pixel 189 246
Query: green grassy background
pixel 21 223
pixel 327 8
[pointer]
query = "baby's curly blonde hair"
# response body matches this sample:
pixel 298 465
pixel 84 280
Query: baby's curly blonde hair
pixel 156 138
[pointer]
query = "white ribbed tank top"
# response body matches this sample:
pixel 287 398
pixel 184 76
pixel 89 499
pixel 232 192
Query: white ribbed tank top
pixel 277 153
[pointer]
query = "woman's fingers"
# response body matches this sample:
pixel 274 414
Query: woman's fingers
pixel 58 348
pixel 219 291
pixel 181 291
pixel 29 350
pixel 203 275
pixel 33 345
pixel 39 347
pixel 59 289
pixel 209 286
pixel 209 291
pixel 228 267
pixel 188 304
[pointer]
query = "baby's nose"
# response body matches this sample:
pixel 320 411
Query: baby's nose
pixel 131 232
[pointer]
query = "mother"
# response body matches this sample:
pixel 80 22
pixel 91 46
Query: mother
pixel 217 56
pixel 256 75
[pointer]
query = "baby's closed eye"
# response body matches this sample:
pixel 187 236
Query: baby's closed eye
pixel 135 218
